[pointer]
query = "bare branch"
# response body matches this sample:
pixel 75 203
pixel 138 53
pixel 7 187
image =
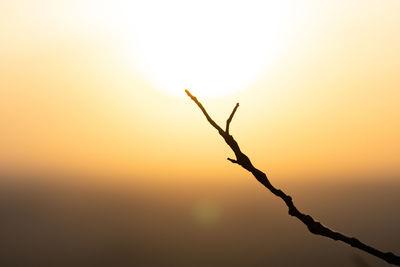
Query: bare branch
pixel 313 226
pixel 228 122
pixel 211 121
pixel 233 160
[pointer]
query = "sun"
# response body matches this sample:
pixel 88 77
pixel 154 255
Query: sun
pixel 213 47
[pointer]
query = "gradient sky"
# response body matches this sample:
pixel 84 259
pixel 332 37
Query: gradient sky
pixel 73 95
pixel 95 89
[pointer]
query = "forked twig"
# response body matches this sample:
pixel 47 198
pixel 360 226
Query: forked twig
pixel 313 226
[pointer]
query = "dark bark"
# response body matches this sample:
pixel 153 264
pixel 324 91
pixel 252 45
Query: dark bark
pixel 313 226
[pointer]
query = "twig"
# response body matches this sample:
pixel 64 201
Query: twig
pixel 228 121
pixel 313 226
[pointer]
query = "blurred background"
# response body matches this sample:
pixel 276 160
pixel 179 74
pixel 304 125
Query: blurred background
pixel 105 162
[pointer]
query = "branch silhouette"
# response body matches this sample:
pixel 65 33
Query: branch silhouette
pixel 313 226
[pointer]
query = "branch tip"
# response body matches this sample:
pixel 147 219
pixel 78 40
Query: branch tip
pixel 233 160
pixel 228 122
pixel 209 119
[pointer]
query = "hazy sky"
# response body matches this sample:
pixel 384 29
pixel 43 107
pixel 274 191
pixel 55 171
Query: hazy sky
pixel 97 87
pixel 86 86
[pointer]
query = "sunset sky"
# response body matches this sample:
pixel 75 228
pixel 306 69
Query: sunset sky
pixel 99 86
pixel 96 89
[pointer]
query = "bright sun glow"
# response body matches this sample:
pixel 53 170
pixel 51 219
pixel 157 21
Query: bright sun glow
pixel 213 47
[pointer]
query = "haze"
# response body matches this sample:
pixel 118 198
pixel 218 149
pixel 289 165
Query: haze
pixel 320 114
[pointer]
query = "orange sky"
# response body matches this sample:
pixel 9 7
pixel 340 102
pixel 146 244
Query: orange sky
pixel 73 98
